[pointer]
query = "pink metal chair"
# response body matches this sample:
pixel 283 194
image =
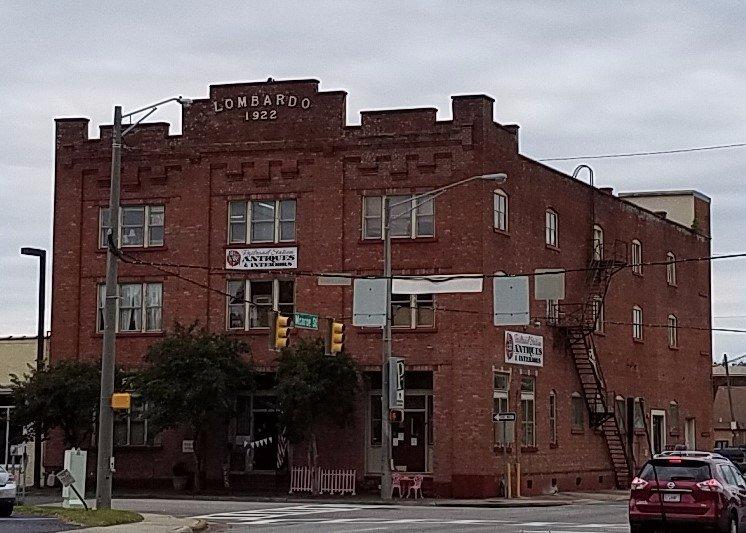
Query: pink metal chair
pixel 396 483
pixel 416 486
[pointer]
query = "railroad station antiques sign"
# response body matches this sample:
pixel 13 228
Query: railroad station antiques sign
pixel 261 106
pixel 524 349
pixel 261 258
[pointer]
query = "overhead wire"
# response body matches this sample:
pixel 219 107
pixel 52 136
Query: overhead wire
pixel 646 153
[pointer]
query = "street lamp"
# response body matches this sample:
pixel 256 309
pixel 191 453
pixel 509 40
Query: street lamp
pixel 42 255
pixel 387 206
pixel 106 414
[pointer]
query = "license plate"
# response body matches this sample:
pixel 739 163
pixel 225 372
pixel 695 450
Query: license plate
pixel 671 497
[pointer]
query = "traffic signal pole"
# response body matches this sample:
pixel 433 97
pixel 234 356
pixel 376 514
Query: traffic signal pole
pixel 385 422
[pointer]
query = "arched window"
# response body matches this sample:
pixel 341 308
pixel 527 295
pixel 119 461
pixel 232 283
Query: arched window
pixel 551 228
pixel 500 208
pixel 671 268
pixel 637 323
pixel 636 257
pixel 598 242
pixel 673 333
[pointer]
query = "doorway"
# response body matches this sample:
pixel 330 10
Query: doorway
pixel 690 434
pixel 408 442
pixel 658 430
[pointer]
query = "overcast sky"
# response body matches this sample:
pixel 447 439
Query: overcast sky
pixel 579 77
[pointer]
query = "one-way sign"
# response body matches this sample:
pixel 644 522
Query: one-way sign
pixel 503 417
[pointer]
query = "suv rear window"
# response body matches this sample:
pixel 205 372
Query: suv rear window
pixel 679 471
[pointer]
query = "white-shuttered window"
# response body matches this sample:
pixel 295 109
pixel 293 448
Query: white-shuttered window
pixel 249 302
pixel 500 201
pixel 671 268
pixel 637 257
pixel 410 218
pixel 139 307
pixel 673 331
pixel 261 221
pixel 637 323
pixel 551 228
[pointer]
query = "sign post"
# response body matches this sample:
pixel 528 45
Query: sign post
pixel 68 481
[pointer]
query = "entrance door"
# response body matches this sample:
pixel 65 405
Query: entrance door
pixel 690 434
pixel 658 436
pixel 408 442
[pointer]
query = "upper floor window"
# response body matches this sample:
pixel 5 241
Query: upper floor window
pixel 598 242
pixel 552 312
pixel 637 323
pixel 260 221
pixel 412 311
pixel 598 314
pixel 673 333
pixel 636 257
pixel 500 202
pixel 551 228
pixel 670 268
pixel 139 307
pixel 528 411
pixel 552 418
pixel 500 402
pixel 139 225
pixel 577 418
pixel 250 301
pixel 131 427
pixel 410 218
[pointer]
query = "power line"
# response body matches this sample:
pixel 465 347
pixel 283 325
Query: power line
pixel 640 154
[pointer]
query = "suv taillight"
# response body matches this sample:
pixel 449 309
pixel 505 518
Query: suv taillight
pixel 639 484
pixel 711 485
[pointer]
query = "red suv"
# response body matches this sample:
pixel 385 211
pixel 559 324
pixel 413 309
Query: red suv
pixel 697 490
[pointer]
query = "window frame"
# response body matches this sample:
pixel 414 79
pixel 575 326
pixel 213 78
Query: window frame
pixel 637 325
pixel 416 302
pixel 636 247
pixel 248 221
pixel 250 318
pixel 500 401
pixel 552 418
pixel 671 269
pixel 143 308
pixel 551 228
pixel 149 440
pixel 528 398
pixel 552 312
pixel 598 314
pixel 598 243
pixel 148 211
pixel 672 331
pixel 500 210
pixel 415 214
pixel 577 412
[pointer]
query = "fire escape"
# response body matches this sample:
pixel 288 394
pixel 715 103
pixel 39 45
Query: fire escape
pixel 579 322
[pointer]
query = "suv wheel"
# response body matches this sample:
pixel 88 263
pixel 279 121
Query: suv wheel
pixel 6 509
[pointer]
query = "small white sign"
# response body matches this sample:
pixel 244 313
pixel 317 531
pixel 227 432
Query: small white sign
pixel 187 446
pixel 524 349
pixel 66 478
pixel 261 258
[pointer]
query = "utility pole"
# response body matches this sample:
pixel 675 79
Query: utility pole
pixel 42 255
pixel 385 422
pixel 730 400
pixel 108 357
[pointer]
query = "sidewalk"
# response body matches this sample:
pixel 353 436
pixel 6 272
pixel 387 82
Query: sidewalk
pixel 155 523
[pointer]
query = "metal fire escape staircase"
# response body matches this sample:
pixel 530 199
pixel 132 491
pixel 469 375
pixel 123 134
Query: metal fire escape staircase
pixel 579 324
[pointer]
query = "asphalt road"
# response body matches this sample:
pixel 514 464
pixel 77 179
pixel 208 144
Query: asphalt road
pixel 32 524
pixel 237 517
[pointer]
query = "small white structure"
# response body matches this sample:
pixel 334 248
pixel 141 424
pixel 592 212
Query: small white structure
pixel 75 462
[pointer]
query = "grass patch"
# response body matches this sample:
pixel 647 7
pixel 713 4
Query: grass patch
pixel 81 517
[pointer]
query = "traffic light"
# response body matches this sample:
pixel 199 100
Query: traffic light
pixel 335 337
pixel 396 416
pixel 281 327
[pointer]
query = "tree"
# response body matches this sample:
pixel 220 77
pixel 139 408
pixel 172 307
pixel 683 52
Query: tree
pixel 313 388
pixel 192 379
pixel 64 395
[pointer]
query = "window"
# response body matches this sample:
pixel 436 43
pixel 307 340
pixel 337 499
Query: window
pixel 673 416
pixel 598 314
pixel 139 307
pixel 673 335
pixel 375 420
pixel 671 268
pixel 412 311
pixel 639 417
pixel 131 427
pixel 552 311
pixel 528 411
pixel 552 418
pixel 551 228
pixel 637 323
pixel 410 218
pixel 621 413
pixel 577 408
pixel 636 257
pixel 261 221
pixel 249 301
pixel 500 393
pixel 500 200
pixel 598 243
pixel 139 225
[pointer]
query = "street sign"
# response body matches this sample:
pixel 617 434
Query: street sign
pixel 503 417
pixel 305 321
pixel 396 383
pixel 65 477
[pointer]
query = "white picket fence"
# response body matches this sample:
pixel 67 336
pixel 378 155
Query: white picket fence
pixel 321 480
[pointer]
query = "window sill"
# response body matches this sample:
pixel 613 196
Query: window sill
pixel 639 431
pixel 134 334
pixel 638 341
pixel 240 245
pixel 674 348
pixel 138 249
pixel 502 449
pixel 253 331
pixel 401 240
pixel 407 331
pixel 552 247
pixel 638 274
pixel 529 449
pixel 577 431
pixel 499 231
pixel 553 446
pixel 673 285
pixel 600 333
pixel 138 447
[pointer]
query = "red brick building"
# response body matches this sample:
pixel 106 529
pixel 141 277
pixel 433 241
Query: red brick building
pixel 275 165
